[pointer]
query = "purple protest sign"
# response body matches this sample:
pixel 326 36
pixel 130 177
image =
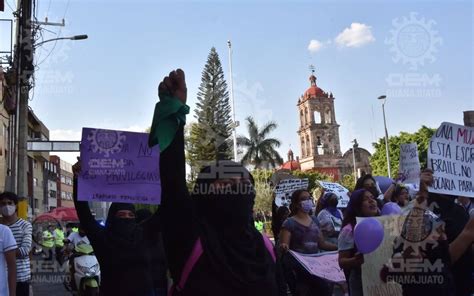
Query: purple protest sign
pixel 323 265
pixel 118 166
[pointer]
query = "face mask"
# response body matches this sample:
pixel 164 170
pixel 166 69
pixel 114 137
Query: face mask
pixel 306 205
pixel 8 210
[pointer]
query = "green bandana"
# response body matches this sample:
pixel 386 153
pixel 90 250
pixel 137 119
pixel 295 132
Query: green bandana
pixel 170 114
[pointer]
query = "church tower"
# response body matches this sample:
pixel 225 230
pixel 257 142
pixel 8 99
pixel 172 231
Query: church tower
pixel 318 131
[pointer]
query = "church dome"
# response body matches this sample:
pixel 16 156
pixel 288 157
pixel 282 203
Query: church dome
pixel 314 91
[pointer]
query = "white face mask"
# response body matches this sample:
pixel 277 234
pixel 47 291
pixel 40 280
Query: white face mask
pixel 8 210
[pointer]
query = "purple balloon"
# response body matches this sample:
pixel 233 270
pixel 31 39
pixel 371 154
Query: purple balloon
pixel 384 182
pixel 368 235
pixel 391 208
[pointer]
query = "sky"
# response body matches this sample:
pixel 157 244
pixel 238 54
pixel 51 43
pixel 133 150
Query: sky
pixel 418 53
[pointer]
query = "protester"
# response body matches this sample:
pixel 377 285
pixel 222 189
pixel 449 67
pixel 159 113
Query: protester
pixel 154 241
pixel 451 243
pixel 301 233
pixel 22 232
pixel 400 196
pixel 329 217
pixel 279 217
pixel 361 204
pixel 468 204
pixel 369 183
pixel 7 262
pixel 120 247
pixel 232 257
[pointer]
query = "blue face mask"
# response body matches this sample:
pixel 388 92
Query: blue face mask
pixel 307 205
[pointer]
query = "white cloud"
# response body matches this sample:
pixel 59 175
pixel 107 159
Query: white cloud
pixel 356 36
pixel 65 135
pixel 315 46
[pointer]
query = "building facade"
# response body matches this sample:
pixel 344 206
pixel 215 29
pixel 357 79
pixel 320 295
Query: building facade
pixel 64 181
pixel 318 134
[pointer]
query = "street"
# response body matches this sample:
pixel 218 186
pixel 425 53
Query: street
pixel 48 277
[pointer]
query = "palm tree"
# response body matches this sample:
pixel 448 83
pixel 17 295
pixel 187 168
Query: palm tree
pixel 260 149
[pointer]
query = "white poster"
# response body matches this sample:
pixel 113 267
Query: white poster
pixel 375 261
pixel 409 163
pixel 341 192
pixel 285 189
pixel 451 157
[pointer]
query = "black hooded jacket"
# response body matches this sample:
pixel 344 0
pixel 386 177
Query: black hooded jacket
pixel 122 249
pixel 234 260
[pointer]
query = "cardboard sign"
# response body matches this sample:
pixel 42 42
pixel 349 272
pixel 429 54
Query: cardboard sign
pixel 373 263
pixel 409 163
pixel 451 157
pixel 341 192
pixel 285 189
pixel 323 265
pixel 118 166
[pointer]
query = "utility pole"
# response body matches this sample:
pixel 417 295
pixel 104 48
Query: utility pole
pixel 235 124
pixel 25 68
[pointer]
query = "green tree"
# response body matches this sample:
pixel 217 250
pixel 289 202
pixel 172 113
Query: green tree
pixel 210 136
pixel 263 189
pixel 348 182
pixel 260 150
pixel 313 177
pixel 378 160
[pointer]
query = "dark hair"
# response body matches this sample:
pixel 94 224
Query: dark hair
pixel 295 199
pixel 322 201
pixel 397 192
pixel 361 180
pixel 278 219
pixel 354 207
pixel 9 195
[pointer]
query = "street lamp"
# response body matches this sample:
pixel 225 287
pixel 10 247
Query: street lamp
pixel 76 37
pixel 21 141
pixel 354 146
pixel 235 123
pixel 384 98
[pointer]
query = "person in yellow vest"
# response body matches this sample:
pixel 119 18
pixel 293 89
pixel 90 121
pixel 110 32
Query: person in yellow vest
pixel 58 235
pixel 259 225
pixel 48 242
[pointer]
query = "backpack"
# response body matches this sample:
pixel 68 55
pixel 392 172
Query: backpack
pixel 196 253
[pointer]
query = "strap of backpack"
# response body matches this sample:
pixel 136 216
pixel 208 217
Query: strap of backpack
pixel 188 267
pixel 269 246
pixel 196 254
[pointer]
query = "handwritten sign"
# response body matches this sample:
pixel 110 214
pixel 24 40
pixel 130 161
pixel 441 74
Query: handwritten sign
pixel 341 192
pixel 118 167
pixel 451 157
pixel 285 189
pixel 409 163
pixel 373 264
pixel 323 265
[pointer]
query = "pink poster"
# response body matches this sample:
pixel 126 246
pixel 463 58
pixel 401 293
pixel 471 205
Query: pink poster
pixel 323 265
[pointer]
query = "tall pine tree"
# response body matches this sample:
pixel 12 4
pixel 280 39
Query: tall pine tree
pixel 209 138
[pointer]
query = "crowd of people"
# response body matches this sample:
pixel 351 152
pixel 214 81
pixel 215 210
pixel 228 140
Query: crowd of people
pixel 207 242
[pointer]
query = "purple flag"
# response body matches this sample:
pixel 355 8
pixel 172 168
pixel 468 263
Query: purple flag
pixel 118 166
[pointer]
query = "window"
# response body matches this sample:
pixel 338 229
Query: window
pixel 35 163
pixel 35 182
pixel 317 117
pixel 36 203
pixel 63 195
pixel 52 193
pixel 63 179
